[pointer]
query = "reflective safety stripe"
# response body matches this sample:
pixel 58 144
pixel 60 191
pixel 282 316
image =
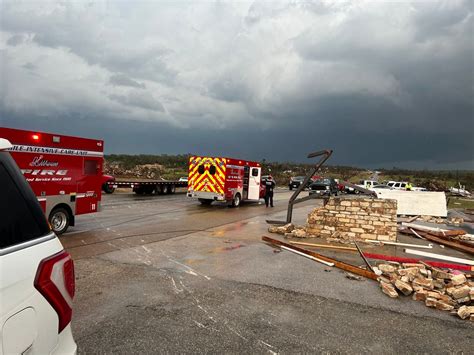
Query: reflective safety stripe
pixel 206 182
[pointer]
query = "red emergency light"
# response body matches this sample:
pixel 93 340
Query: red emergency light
pixel 35 137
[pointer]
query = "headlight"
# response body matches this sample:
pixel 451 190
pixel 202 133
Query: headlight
pixel 327 187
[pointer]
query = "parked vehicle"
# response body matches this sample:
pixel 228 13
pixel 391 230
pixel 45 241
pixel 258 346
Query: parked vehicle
pixel 37 276
pixel 397 185
pixel 64 172
pixel 381 186
pixel 108 184
pixel 224 179
pixel 296 182
pixel 340 186
pixel 183 179
pixel 324 186
pixel 402 185
pixel 367 184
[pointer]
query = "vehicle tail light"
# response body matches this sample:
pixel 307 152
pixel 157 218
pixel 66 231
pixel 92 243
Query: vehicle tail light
pixel 55 281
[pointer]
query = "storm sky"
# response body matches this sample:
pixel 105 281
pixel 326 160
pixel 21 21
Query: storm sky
pixel 382 83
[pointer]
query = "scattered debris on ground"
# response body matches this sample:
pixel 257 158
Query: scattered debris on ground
pixel 287 228
pixel 338 264
pixel 439 289
pixel 439 285
pixel 353 277
pixel 436 288
pixel 455 220
pixel 450 238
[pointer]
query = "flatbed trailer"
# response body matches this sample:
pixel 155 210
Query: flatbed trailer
pixel 149 187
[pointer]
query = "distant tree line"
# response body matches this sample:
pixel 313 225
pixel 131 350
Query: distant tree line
pixel 283 171
pixel 130 161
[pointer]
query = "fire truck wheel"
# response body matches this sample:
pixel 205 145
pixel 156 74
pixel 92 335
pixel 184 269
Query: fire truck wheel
pixel 236 200
pixel 59 220
pixel 108 189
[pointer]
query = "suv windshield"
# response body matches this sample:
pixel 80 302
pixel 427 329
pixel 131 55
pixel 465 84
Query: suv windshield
pixel 323 181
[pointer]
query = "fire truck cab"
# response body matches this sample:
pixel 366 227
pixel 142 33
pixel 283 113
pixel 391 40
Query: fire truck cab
pixel 224 179
pixel 64 172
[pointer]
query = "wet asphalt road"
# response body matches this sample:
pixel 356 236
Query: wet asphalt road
pixel 162 274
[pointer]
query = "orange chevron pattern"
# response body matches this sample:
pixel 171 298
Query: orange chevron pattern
pixel 205 181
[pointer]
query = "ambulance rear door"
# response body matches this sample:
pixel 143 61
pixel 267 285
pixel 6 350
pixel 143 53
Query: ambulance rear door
pixel 254 183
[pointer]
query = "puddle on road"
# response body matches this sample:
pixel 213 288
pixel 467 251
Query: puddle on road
pixel 226 248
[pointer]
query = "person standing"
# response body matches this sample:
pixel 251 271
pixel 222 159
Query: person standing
pixel 269 186
pixel 409 186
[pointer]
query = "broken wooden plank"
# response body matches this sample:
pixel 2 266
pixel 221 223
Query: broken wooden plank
pixel 339 264
pixel 327 246
pixel 401 259
pixel 435 231
pixel 413 219
pixel 307 256
pixel 452 243
pixel 440 257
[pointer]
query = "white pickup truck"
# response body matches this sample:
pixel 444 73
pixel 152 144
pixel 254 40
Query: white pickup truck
pixel 402 185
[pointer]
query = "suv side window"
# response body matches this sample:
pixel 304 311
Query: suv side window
pixel 21 216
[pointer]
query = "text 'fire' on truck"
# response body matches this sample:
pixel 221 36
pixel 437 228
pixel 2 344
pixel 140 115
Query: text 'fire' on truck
pixel 224 179
pixel 64 172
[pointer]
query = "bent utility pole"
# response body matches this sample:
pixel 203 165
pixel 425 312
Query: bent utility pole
pixel 324 154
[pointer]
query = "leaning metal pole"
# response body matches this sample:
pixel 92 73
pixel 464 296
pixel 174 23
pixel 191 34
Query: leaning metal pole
pixel 324 154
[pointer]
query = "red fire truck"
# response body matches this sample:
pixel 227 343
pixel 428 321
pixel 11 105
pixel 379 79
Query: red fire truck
pixel 224 179
pixel 64 172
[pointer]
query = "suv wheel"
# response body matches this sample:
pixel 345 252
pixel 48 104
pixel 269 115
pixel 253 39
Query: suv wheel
pixel 59 220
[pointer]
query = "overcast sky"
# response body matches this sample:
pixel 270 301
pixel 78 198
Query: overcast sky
pixel 381 83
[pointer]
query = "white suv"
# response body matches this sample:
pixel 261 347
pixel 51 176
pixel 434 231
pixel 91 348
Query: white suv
pixel 36 275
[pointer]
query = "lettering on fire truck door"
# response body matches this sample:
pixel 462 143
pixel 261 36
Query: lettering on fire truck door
pixel 86 197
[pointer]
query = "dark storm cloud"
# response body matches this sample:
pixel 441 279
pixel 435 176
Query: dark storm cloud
pixel 141 100
pixel 123 80
pixel 379 82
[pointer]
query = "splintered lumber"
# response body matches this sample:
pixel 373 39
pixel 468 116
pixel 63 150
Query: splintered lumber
pixel 339 264
pixel 413 219
pixel 429 246
pixel 435 231
pixel 326 246
pixel 308 256
pixel 401 259
pixel 416 234
pixel 452 243
pixel 440 257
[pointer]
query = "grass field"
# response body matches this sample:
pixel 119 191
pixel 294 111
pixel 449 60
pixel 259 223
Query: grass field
pixel 460 202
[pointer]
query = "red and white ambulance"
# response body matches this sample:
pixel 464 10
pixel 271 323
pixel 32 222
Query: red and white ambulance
pixel 224 179
pixel 64 172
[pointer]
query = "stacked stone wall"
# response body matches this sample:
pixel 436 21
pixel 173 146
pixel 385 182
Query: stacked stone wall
pixel 355 219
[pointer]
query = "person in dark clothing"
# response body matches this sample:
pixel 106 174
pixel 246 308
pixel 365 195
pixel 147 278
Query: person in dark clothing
pixel 269 186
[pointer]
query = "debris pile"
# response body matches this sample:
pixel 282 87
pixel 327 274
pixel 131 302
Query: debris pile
pixel 436 288
pixel 455 220
pixel 287 228
pixel 148 171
